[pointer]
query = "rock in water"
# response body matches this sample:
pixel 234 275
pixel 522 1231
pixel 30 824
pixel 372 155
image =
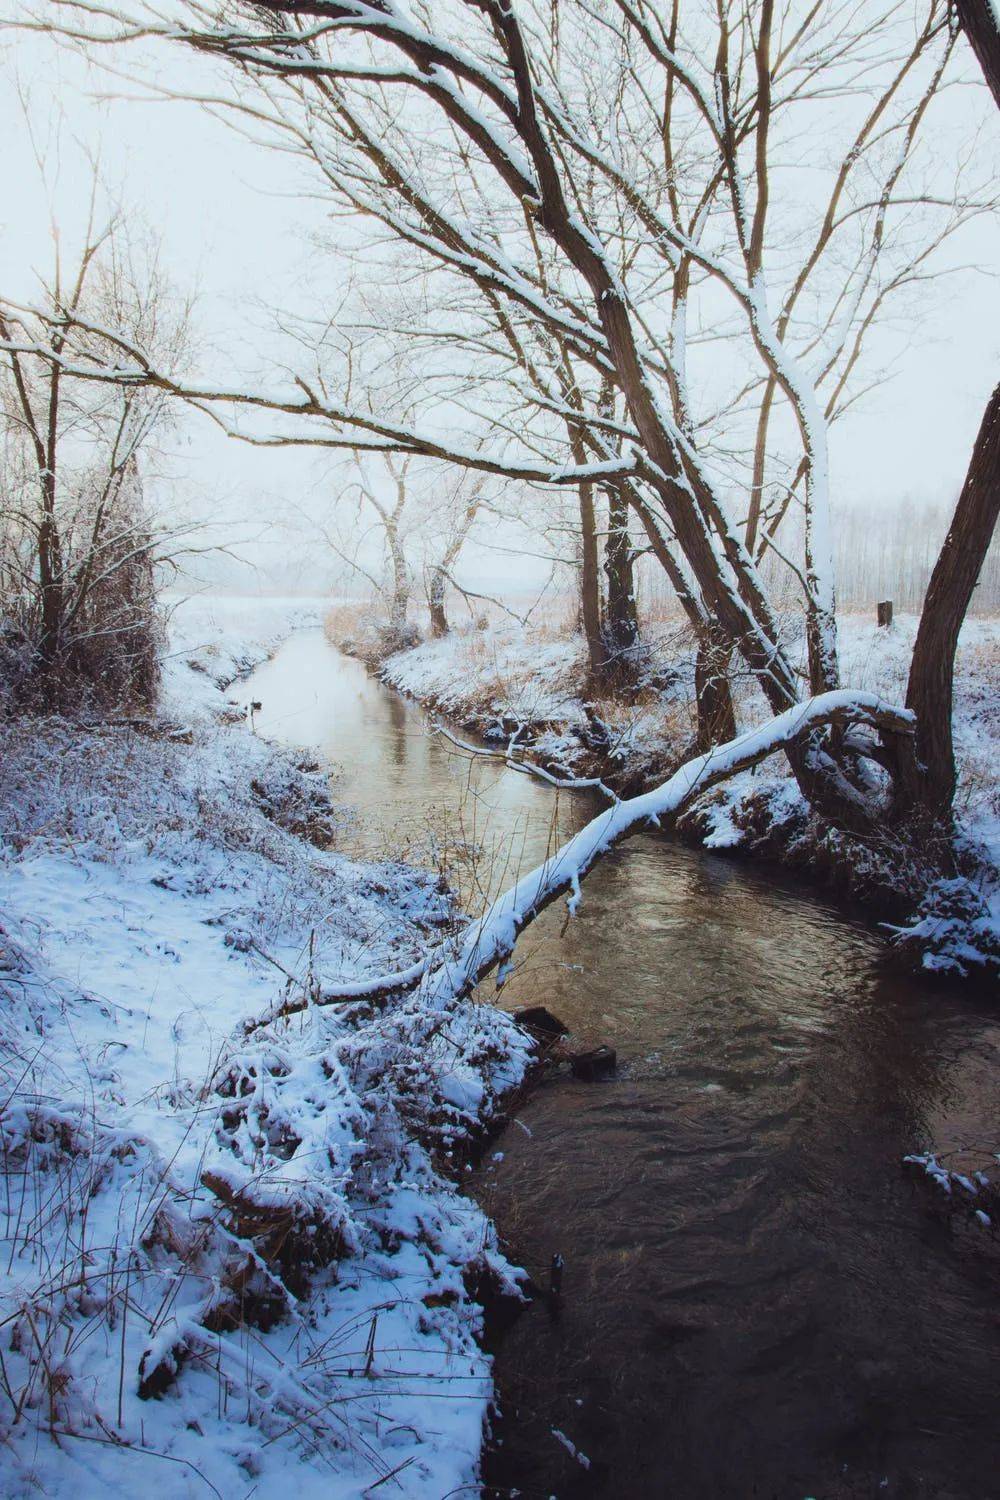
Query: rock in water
pixel 542 1022
pixel 599 1063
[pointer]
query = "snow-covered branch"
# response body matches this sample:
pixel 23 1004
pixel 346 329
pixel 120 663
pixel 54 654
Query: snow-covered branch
pixel 459 965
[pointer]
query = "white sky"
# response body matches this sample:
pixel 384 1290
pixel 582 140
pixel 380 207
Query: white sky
pixel 234 232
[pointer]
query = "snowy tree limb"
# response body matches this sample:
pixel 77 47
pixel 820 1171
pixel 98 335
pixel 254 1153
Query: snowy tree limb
pixel 454 970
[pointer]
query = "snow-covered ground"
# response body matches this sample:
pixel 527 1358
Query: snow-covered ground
pixel 231 1255
pixel 507 675
pixel 214 640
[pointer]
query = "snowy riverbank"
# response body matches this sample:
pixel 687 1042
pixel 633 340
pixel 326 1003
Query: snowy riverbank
pixel 508 678
pixel 232 1255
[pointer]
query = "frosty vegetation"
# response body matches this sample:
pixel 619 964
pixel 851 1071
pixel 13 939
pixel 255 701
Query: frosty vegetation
pixel 615 272
pixel 250 1220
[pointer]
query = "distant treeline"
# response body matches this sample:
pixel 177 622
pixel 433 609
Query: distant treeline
pixel 888 551
pixel 883 552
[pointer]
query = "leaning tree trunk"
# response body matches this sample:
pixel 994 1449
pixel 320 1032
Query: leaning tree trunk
pixel 441 571
pixel 981 25
pixel 621 620
pixel 949 593
pixel 956 572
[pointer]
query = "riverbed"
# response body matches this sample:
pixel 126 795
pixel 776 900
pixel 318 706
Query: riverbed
pixel 757 1300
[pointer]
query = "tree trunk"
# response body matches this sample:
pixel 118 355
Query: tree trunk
pixel 716 715
pixel 590 587
pixel 713 698
pixel 441 571
pixel 621 623
pixel 435 602
pixel 50 570
pixel 50 587
pixel 956 572
pixel 949 593
pixel 982 28
pixel 399 606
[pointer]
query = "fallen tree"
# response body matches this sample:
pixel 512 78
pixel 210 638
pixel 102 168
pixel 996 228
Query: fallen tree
pixel 453 971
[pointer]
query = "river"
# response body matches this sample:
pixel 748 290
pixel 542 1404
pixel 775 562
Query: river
pixel 757 1299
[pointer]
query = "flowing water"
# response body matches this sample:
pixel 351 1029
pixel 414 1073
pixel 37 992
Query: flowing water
pixel 757 1300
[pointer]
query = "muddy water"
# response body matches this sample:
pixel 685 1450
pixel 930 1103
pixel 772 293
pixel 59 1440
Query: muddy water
pixel 757 1301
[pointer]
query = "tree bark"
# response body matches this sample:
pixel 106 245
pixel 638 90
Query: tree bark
pixel 713 696
pixel 435 603
pixel 590 586
pixel 960 561
pixel 621 624
pixel 49 548
pixel 980 26
pixel 716 715
pixel 956 572
pixel 399 606
pixel 441 571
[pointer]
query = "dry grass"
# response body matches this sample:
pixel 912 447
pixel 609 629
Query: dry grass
pixel 345 621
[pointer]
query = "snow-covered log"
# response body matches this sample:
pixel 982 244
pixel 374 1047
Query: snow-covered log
pixel 489 940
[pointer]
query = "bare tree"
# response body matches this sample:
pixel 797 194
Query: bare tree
pixel 483 140
pixel 423 517
pixel 462 504
pixel 391 515
pixel 78 550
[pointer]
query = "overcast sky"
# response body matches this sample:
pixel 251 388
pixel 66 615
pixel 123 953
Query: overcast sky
pixel 234 232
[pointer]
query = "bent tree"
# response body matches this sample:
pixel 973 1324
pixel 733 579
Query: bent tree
pixel 932 668
pixel 624 233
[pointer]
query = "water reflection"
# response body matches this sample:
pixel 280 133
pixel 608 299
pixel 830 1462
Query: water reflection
pixel 756 1300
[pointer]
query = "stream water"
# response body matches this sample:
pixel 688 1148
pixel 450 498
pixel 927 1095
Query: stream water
pixel 757 1299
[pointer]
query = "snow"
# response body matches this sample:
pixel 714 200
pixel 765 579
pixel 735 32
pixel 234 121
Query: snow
pixel 221 638
pixel 247 1228
pixel 976 1189
pixel 958 920
pixel 510 675
pixel 506 676
pixel 573 1451
pixel 232 1251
